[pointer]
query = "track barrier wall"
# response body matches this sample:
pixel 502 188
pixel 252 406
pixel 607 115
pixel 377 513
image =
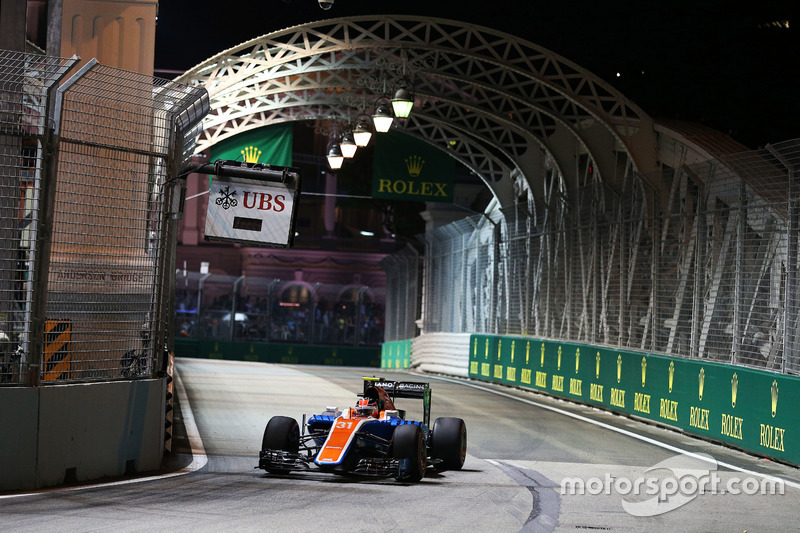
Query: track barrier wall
pixel 65 434
pixel 748 409
pixel 396 354
pixel 294 354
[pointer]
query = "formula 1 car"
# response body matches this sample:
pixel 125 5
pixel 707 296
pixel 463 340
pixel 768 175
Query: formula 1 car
pixel 371 439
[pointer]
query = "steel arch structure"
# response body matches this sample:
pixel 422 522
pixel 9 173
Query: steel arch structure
pixel 522 118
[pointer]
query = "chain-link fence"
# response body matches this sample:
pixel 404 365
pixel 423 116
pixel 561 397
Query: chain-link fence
pixel 27 85
pixel 220 307
pixel 713 274
pixel 88 170
pixel 402 293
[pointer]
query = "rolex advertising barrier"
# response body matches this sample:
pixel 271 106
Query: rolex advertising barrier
pixel 396 354
pixel 284 353
pixel 746 408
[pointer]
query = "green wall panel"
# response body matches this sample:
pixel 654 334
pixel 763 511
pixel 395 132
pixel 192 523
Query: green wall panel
pixel 396 354
pixel 299 354
pixel 746 408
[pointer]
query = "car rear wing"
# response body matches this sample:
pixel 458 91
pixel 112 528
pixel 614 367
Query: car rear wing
pixel 404 389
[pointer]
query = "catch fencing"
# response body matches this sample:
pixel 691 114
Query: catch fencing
pixel 403 271
pixel 219 307
pixel 707 268
pixel 89 167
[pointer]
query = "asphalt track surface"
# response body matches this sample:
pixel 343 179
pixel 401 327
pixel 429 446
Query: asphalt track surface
pixel 522 447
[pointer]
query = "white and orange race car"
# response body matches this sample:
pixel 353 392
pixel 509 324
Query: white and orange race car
pixel 371 439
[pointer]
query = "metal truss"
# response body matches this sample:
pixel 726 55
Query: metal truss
pixel 518 101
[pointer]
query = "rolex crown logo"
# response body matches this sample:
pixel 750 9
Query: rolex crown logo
pixel 251 154
pixel 541 359
pixel 774 391
pixel 597 366
pixel 559 359
pixel 619 367
pixel 577 359
pixel 734 389
pixel 414 164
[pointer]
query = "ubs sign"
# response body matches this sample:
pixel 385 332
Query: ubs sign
pixel 253 210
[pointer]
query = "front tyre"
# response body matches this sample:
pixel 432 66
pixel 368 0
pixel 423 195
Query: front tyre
pixel 282 434
pixel 408 445
pixel 449 443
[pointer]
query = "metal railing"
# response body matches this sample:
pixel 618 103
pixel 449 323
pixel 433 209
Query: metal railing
pixel 712 275
pixel 88 173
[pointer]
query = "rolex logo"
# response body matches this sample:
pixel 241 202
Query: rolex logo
pixel 541 360
pixel 251 154
pixel 671 374
pixel 527 353
pixel 577 359
pixel 559 358
pixel 774 398
pixel 644 370
pixel 734 389
pixel 701 383
pixel 414 164
pixel 597 366
pixel 619 367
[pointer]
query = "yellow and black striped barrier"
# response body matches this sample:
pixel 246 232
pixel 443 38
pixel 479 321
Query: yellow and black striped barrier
pixel 57 337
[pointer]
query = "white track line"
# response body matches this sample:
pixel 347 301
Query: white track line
pixel 199 457
pixel 616 429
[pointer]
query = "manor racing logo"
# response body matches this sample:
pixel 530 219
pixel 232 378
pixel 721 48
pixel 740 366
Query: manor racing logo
pixel 671 484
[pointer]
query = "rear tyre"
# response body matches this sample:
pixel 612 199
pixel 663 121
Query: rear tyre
pixel 449 443
pixel 408 445
pixel 282 434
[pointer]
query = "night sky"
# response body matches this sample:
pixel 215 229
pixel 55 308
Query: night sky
pixel 729 65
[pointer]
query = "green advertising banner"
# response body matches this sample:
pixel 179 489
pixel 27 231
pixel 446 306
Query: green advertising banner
pixel 407 168
pixel 743 407
pixel 396 354
pixel 294 354
pixel 271 145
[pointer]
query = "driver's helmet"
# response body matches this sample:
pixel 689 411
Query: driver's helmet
pixel 365 407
